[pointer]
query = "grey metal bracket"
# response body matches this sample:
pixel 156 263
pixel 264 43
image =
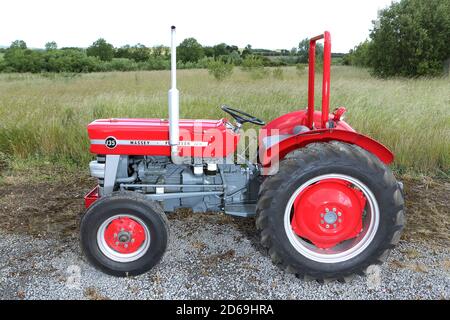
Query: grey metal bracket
pixel 111 166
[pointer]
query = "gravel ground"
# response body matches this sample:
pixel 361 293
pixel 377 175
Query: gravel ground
pixel 210 256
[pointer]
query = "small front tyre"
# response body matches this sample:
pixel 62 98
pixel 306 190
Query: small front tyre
pixel 124 234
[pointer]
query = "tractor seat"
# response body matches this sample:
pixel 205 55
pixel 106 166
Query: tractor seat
pixel 269 141
pixel 299 129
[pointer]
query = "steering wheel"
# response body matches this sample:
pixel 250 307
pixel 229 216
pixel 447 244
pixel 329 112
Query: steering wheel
pixel 242 117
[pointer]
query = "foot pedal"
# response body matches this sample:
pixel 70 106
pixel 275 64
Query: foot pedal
pixel 241 209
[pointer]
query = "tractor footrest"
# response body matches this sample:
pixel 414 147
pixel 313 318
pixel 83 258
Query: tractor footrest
pixel 241 209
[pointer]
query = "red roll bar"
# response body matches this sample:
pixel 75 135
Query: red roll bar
pixel 326 79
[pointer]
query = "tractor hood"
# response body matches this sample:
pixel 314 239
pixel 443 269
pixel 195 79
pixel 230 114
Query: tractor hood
pixel 207 138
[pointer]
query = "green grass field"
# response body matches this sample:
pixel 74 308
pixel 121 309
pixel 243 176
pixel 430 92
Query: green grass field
pixel 44 118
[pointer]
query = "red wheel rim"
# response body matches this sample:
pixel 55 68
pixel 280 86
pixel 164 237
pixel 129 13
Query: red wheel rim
pixel 124 235
pixel 328 212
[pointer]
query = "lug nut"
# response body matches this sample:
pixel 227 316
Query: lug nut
pixel 340 220
pixel 126 245
pixel 132 240
pixel 326 209
pixel 117 243
pixel 322 222
pixel 115 235
pixel 327 226
pixel 334 225
pixel 339 214
pixel 334 209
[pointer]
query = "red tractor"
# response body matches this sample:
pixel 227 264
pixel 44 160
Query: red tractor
pixel 326 204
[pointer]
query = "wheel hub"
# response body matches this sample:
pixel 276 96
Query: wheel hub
pixel 330 217
pixel 328 212
pixel 124 235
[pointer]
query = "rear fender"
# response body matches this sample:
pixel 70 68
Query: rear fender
pixel 271 154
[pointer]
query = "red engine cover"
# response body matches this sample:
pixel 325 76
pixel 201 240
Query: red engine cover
pixel 198 138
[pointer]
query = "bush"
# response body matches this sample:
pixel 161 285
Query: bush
pixel 319 66
pixel 300 69
pixel 278 73
pixel 411 39
pixel 119 64
pixel 138 53
pixel 102 56
pixel 259 73
pixel 70 60
pixel 234 58
pixel 5 161
pixel 155 63
pixel 255 66
pixel 23 60
pixel 34 61
pixel 359 56
pixel 203 63
pixel 187 65
pixel 250 62
pixel 220 69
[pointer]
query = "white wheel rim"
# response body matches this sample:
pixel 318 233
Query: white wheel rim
pixel 339 253
pixel 115 255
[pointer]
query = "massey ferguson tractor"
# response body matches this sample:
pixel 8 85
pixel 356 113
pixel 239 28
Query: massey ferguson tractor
pixel 326 204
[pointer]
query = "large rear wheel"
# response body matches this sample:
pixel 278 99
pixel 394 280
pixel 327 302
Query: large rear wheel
pixel 331 211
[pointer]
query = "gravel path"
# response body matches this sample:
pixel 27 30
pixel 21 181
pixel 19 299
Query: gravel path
pixel 210 256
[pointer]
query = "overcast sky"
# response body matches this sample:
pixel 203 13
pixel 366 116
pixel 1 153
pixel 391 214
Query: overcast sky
pixel 274 24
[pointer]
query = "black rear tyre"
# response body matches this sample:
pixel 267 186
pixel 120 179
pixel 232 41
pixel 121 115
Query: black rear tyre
pixel 333 159
pixel 133 210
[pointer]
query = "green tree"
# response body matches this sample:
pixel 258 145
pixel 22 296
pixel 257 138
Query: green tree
pixel 160 51
pixel 18 44
pixel 101 49
pixel 122 52
pixel 303 51
pixel 247 51
pixel 139 53
pixel 209 51
pixel 220 50
pixel 411 38
pixel 232 48
pixel 51 46
pixel 358 56
pixel 190 50
pixel 23 60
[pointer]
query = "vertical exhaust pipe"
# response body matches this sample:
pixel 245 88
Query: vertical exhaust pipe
pixel 174 101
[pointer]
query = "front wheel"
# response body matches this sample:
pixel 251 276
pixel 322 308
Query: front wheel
pixel 332 210
pixel 124 234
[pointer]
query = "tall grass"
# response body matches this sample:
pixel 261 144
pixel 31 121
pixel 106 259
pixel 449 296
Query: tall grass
pixel 46 117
